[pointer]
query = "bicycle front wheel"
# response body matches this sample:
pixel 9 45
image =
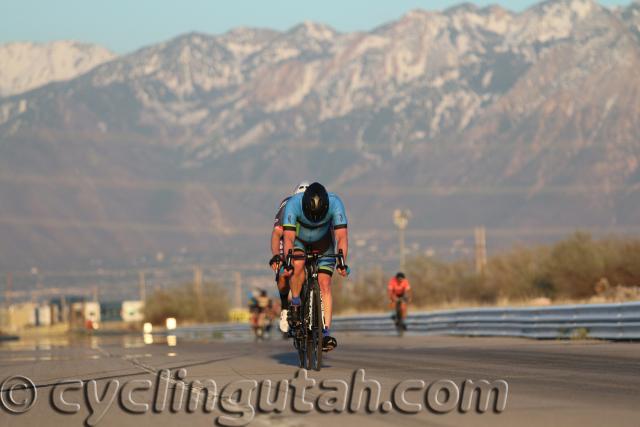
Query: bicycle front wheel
pixel 317 324
pixel 399 320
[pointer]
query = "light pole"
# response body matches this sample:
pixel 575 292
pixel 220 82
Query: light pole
pixel 401 219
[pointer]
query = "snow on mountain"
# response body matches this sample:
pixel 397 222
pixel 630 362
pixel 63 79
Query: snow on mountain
pixel 25 65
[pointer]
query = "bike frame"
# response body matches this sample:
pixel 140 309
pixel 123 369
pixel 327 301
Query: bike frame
pixel 399 321
pixel 308 336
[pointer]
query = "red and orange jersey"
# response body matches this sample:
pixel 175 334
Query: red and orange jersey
pixel 398 287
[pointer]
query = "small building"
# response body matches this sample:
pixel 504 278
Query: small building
pixel 92 311
pixel 22 315
pixel 111 311
pixel 43 315
pixel 61 307
pixel 132 311
pixel 4 319
pixel 84 314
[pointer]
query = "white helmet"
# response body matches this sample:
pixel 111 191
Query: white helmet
pixel 301 187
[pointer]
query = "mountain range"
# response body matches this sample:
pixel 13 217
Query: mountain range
pixel 526 123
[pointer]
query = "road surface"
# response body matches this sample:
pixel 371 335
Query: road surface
pixel 563 383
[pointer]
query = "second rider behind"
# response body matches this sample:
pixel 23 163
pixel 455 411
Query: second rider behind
pixel 313 220
pixel 277 252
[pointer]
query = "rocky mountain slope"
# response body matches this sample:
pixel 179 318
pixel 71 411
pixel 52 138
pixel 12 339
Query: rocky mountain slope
pixel 519 121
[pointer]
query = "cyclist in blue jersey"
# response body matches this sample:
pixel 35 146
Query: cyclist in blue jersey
pixel 276 261
pixel 318 220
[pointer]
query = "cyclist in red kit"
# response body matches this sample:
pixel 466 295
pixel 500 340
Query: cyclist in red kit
pixel 399 289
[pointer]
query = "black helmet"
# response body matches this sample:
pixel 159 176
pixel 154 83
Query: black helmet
pixel 400 275
pixel 315 202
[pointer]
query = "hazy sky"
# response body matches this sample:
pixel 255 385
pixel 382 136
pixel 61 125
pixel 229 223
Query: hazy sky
pixel 124 25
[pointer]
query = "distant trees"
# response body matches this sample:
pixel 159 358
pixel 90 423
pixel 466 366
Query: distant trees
pixel 367 293
pixel 576 268
pixel 185 304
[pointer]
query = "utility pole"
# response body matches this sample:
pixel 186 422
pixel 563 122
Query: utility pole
pixel 9 290
pixel 64 312
pixel 401 219
pixel 38 278
pixel 238 290
pixel 142 286
pixel 197 289
pixel 197 282
pixel 481 249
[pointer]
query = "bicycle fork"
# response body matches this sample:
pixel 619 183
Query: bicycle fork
pixel 312 308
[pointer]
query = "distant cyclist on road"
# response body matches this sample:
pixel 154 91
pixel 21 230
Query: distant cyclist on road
pixel 399 289
pixel 318 220
pixel 276 262
pixel 259 306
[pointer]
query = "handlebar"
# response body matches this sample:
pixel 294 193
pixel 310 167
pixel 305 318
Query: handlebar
pixel 339 257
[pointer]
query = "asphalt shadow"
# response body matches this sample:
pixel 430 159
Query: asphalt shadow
pixel 290 358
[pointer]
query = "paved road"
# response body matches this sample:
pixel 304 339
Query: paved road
pixel 564 383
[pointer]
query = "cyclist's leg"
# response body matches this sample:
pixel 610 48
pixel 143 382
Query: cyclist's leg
pixel 283 288
pixel 296 280
pixel 325 272
pixel 324 281
pixel 254 318
pixel 392 305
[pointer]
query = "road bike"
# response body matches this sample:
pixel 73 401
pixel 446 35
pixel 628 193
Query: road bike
pixel 400 324
pixel 307 333
pixel 258 325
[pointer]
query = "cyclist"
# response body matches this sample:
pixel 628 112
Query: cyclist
pixel 259 304
pixel 400 289
pixel 315 219
pixel 252 304
pixel 277 250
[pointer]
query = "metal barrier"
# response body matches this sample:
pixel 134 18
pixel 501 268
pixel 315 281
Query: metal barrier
pixel 620 321
pixel 209 330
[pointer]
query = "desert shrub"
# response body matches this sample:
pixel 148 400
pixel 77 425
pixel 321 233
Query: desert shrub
pixel 567 270
pixel 436 282
pixel 518 274
pixel 621 261
pixel 184 304
pixel 364 293
pixel 575 265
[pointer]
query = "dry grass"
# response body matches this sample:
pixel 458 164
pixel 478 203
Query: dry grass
pixel 576 270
